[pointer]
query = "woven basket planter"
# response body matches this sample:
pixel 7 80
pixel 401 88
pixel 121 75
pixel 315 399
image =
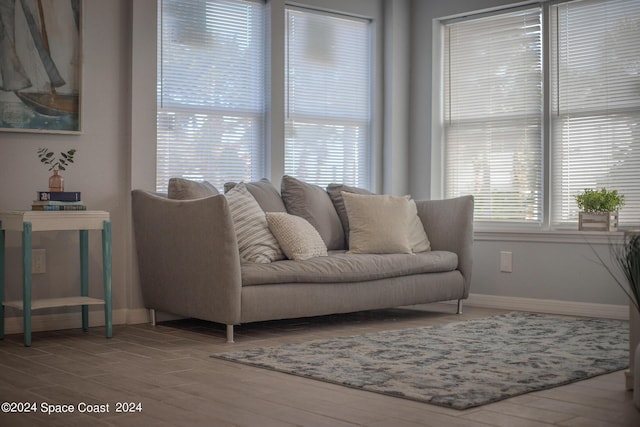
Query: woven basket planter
pixel 598 221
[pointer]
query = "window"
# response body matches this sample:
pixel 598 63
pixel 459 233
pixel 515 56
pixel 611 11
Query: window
pixel 327 101
pixel 211 80
pixel 493 114
pixel 595 114
pixel 505 106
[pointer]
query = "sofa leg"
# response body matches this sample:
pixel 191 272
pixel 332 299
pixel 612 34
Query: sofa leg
pixel 230 334
pixel 152 316
pixel 459 307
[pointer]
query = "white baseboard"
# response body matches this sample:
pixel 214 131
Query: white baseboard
pixel 568 308
pixel 54 322
pixel 137 315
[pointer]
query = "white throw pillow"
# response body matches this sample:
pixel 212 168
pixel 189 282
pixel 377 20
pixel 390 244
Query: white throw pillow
pixel 255 241
pixel 378 224
pixel 298 239
pixel 418 239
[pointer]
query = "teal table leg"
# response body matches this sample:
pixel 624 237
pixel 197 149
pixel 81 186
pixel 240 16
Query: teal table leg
pixel 1 284
pixel 26 281
pixel 84 276
pixel 106 275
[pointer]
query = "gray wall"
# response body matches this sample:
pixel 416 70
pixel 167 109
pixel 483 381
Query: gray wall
pixel 101 171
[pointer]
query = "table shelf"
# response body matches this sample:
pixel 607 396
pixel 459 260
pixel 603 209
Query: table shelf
pixel 55 302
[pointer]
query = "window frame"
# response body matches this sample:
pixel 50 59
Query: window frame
pixel 369 151
pixel 273 167
pixel 202 118
pixel 613 117
pixel 545 229
pixel 496 121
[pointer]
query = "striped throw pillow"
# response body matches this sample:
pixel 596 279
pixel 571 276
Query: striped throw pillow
pixel 255 241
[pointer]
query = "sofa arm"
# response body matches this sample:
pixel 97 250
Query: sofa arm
pixel 449 226
pixel 188 258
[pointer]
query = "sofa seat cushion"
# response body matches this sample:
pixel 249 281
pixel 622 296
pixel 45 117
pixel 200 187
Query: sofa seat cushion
pixel 342 267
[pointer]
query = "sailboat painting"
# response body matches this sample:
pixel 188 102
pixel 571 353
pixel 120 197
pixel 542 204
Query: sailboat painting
pixel 40 65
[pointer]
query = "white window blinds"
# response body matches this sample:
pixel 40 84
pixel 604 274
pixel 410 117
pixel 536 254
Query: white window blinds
pixel 327 100
pixel 493 113
pixel 211 78
pixel 595 78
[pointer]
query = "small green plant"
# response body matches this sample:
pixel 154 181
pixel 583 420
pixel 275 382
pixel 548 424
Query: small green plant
pixel 49 158
pixel 601 200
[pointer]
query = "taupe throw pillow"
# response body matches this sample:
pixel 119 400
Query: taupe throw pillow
pixel 378 223
pixel 418 239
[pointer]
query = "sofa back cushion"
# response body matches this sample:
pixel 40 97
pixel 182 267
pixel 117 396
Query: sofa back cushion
pixel 313 203
pixel 265 194
pixel 335 193
pixel 186 189
pixel 418 239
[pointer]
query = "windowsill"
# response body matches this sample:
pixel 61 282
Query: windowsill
pixel 550 236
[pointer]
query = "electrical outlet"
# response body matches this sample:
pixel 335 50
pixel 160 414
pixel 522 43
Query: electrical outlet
pixel 506 262
pixel 38 261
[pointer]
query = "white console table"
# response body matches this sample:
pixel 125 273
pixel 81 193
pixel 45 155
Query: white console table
pixel 28 222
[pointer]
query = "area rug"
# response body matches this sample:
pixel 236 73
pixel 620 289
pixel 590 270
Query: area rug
pixel 458 365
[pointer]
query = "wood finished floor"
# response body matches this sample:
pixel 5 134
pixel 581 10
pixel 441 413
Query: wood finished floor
pixel 168 370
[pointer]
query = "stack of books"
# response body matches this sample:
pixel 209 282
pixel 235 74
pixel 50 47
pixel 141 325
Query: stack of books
pixel 58 201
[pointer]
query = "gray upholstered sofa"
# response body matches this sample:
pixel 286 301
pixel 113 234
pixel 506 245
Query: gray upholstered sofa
pixel 189 261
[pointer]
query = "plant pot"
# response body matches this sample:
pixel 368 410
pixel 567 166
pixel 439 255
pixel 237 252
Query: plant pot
pixel 598 221
pixel 56 182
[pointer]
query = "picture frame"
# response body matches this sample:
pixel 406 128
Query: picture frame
pixel 40 86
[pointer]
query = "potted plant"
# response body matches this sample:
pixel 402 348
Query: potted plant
pixel 56 164
pixel 599 209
